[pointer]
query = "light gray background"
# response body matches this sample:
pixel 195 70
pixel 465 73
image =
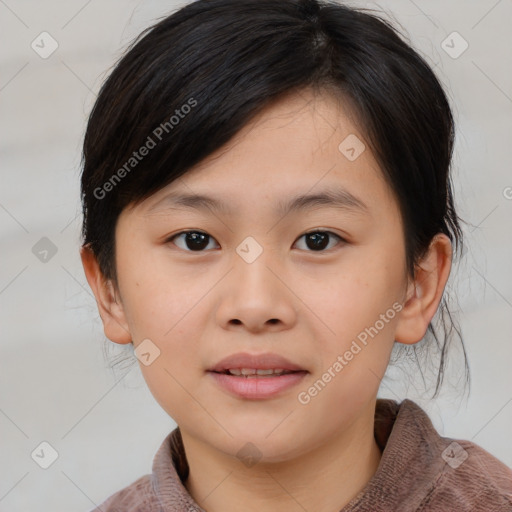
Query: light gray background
pixel 55 384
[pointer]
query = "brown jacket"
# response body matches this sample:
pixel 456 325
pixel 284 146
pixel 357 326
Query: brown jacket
pixel 419 471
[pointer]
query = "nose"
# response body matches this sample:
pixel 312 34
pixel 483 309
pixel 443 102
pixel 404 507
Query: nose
pixel 255 297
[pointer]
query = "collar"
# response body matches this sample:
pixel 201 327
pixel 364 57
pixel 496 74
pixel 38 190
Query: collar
pixel 410 447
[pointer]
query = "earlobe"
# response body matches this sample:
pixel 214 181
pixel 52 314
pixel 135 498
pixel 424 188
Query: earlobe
pixel 425 292
pixel 109 306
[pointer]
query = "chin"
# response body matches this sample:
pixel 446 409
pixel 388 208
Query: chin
pixel 255 445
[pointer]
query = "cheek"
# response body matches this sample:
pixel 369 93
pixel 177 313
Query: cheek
pixel 156 295
pixel 361 308
pixel 364 287
pixel 169 323
pixel 167 385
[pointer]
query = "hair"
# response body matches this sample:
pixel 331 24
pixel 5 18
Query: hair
pixel 186 85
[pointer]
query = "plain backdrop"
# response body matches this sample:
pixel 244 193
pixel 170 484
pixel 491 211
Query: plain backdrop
pixel 56 384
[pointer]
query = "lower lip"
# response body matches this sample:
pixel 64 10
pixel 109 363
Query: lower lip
pixel 257 387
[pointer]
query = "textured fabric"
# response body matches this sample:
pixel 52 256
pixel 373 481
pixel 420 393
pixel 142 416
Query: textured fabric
pixel 419 471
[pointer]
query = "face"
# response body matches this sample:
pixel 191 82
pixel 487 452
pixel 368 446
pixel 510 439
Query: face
pixel 320 284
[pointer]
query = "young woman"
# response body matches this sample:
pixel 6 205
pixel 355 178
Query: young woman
pixel 267 211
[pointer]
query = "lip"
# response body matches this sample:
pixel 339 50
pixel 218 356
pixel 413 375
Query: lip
pixel 264 361
pixel 257 387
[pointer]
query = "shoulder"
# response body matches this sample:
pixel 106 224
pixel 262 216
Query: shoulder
pixel 471 480
pixel 427 472
pixel 136 497
pixel 160 490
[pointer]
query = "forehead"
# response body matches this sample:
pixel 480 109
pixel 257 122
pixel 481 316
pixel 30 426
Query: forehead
pixel 300 146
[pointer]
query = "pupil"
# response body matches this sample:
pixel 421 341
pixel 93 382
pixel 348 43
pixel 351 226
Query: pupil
pixel 319 240
pixel 199 240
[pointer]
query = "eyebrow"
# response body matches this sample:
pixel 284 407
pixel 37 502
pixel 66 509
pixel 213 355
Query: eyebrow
pixel 339 198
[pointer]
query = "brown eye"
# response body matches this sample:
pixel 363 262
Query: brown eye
pixel 193 241
pixel 198 241
pixel 317 241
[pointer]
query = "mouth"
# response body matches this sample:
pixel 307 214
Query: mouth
pixel 251 373
pixel 256 376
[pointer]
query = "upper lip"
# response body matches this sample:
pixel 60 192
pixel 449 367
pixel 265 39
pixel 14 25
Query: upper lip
pixel 265 361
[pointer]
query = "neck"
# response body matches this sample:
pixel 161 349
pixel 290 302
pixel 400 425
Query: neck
pixel 340 468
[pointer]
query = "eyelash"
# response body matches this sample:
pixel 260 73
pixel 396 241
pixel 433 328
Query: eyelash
pixel 170 239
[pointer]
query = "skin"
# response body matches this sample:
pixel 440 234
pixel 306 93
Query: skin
pixel 307 305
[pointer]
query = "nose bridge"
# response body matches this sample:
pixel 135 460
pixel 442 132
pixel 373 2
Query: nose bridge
pixel 253 295
pixel 252 261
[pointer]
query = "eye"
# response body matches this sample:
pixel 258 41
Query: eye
pixel 318 240
pixel 194 241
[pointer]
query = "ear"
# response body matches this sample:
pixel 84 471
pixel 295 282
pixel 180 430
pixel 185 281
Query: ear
pixel 424 293
pixel 109 306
